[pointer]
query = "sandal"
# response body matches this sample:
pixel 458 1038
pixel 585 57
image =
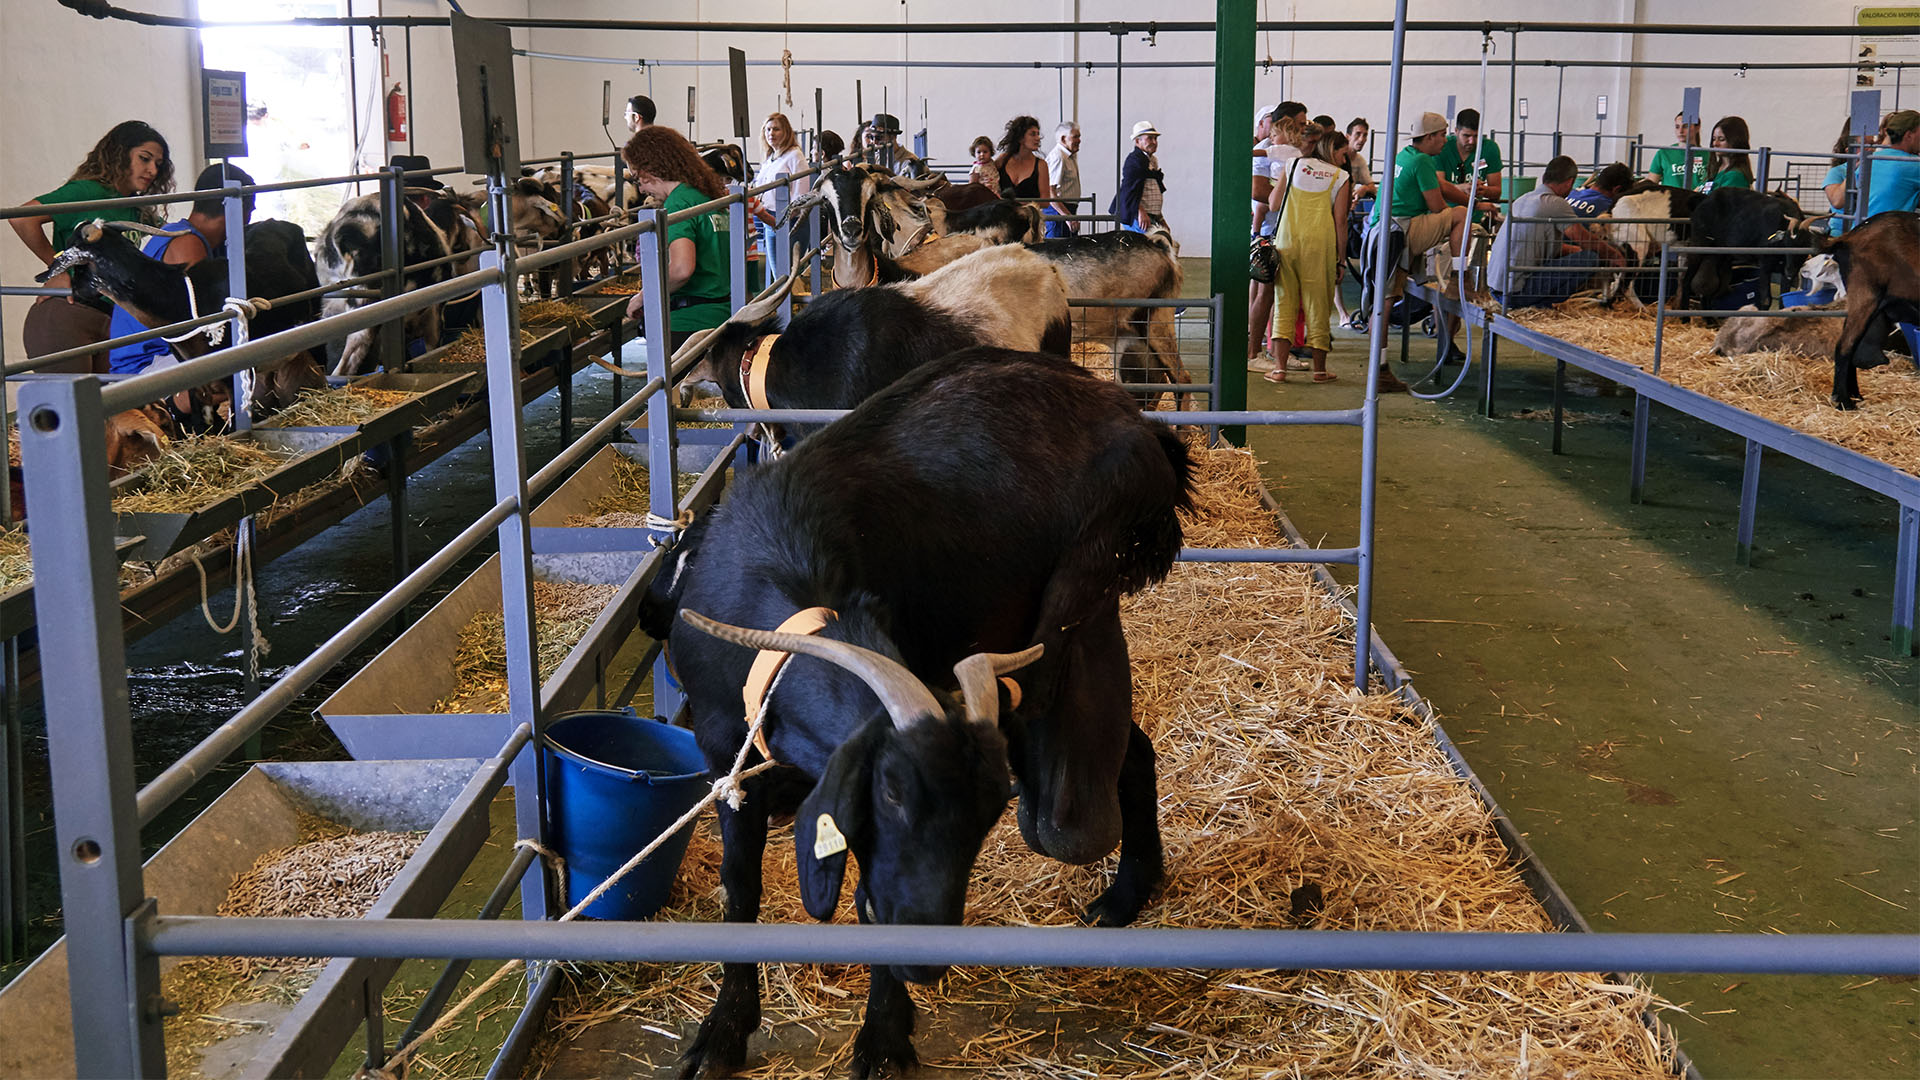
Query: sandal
pixel 1324 376
pixel 1277 375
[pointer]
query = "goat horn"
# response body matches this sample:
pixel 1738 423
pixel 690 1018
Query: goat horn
pixel 756 310
pixel 977 686
pixel 929 184
pixel 905 698
pixel 802 205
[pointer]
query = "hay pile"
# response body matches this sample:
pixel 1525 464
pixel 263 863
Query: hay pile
pixel 16 560
pixel 1274 774
pixel 192 474
pixel 342 406
pixel 471 346
pixel 1787 389
pixel 556 313
pixel 1095 356
pixel 562 614
pixel 626 288
pixel 333 873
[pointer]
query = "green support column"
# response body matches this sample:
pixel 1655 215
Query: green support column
pixel 1232 120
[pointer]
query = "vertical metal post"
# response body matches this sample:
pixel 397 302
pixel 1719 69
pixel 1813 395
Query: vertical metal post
pixel 245 532
pixel 1642 416
pixel 77 604
pixel 13 857
pixel 1749 503
pixel 737 246
pixel 1120 140
pixel 570 205
pixel 1906 569
pixel 393 218
pixel 660 433
pixel 1760 168
pixel 1376 359
pixel 814 234
pixel 1488 343
pixel 780 259
pixel 1660 313
pixel 1233 40
pixel 1513 103
pixel 500 317
pixel 413 122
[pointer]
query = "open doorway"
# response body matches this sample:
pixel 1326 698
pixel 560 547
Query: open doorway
pixel 299 123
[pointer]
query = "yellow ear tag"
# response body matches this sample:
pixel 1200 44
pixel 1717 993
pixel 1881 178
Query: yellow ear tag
pixel 827 838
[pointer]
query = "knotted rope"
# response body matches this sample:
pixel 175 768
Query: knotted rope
pixel 726 788
pixel 243 592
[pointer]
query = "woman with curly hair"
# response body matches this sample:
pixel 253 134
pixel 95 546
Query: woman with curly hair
pixel 665 165
pixel 131 159
pixel 1023 172
pixel 1730 170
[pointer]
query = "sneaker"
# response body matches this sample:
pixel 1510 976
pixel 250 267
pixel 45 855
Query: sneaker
pixel 1261 364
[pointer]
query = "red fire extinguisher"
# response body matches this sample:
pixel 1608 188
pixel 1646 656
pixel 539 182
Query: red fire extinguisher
pixel 396 115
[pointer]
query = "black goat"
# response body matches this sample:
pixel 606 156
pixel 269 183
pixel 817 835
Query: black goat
pixel 1741 218
pixel 993 503
pixel 105 263
pixel 849 343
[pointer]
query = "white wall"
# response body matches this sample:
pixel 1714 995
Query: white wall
pixel 65 80
pixel 51 112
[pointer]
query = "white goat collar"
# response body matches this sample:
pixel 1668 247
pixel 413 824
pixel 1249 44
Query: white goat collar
pixel 755 364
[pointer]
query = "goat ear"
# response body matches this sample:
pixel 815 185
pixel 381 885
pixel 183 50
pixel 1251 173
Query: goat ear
pixel 833 817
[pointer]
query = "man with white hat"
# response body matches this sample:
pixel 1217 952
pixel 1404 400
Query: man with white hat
pixel 1142 186
pixel 1430 210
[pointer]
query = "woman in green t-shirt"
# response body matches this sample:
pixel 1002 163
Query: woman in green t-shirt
pixel 1730 170
pixel 131 159
pixel 666 165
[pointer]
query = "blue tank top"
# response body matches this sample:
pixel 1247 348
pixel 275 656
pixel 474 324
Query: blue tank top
pixel 133 359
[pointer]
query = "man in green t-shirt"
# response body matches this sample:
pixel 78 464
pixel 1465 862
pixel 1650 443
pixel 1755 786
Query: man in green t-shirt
pixel 1431 209
pixel 1670 162
pixel 1455 160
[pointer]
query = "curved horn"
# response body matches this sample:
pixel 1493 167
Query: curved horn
pixel 755 310
pixel 906 699
pixel 977 686
pixel 802 205
pixel 929 184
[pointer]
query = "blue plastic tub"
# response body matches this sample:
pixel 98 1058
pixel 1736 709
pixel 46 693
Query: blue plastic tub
pixel 615 781
pixel 1806 299
pixel 1912 334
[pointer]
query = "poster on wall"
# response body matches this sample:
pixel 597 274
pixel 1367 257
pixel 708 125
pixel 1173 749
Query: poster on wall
pixel 1888 35
pixel 223 101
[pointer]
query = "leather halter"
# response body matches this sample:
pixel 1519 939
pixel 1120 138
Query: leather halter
pixel 768 662
pixel 754 367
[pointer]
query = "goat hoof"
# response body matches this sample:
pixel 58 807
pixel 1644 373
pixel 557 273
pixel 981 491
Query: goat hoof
pixel 878 1054
pixel 1844 403
pixel 1124 899
pixel 718 1050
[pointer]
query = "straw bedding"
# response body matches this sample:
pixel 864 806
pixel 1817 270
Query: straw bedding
pixel 555 313
pixel 1274 775
pixel 342 406
pixel 191 474
pixel 563 612
pixel 332 873
pixel 471 346
pixel 1782 387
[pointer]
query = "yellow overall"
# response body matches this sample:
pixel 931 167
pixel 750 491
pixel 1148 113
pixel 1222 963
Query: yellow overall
pixel 1305 281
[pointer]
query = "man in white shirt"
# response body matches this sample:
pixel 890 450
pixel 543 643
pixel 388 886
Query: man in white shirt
pixel 1536 261
pixel 1063 168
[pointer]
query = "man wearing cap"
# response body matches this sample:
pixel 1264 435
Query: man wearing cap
pixel 1142 186
pixel 1431 210
pixel 883 148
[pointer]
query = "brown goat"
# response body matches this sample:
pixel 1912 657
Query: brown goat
pixel 1880 263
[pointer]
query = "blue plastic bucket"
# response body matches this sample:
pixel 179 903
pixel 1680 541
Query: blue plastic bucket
pixel 1806 299
pixel 1912 334
pixel 614 782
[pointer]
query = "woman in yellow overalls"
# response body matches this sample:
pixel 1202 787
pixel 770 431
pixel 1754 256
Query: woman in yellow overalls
pixel 1311 239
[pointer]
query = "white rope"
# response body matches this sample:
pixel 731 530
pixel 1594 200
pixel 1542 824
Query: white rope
pixel 139 227
pixel 243 592
pixel 728 787
pixel 551 856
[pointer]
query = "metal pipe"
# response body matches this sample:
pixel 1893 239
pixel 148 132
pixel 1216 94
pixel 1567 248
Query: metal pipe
pixel 213 751
pixel 1031 946
pixel 1349 556
pixel 132 201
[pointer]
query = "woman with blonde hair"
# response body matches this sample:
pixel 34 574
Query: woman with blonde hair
pixel 1312 198
pixel 783 159
pixel 665 165
pixel 131 159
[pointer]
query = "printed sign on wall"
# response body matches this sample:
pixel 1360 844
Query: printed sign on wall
pixel 223 99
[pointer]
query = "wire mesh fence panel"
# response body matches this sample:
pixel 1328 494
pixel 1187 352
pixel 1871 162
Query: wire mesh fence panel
pixel 1163 355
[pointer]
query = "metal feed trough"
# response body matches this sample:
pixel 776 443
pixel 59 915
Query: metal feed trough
pixel 261 813
pixel 309 455
pixel 435 392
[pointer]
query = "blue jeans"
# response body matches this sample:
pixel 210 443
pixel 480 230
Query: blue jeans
pixel 1057 229
pixel 1541 288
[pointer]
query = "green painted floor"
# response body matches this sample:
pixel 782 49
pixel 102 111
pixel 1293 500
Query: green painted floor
pixel 1690 745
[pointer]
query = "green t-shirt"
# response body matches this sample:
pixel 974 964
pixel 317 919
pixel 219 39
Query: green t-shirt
pixel 82 191
pixel 1670 162
pixel 1413 177
pixel 709 235
pixel 1455 168
pixel 1727 178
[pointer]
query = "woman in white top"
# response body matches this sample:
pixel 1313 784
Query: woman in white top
pixel 1311 201
pixel 783 158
